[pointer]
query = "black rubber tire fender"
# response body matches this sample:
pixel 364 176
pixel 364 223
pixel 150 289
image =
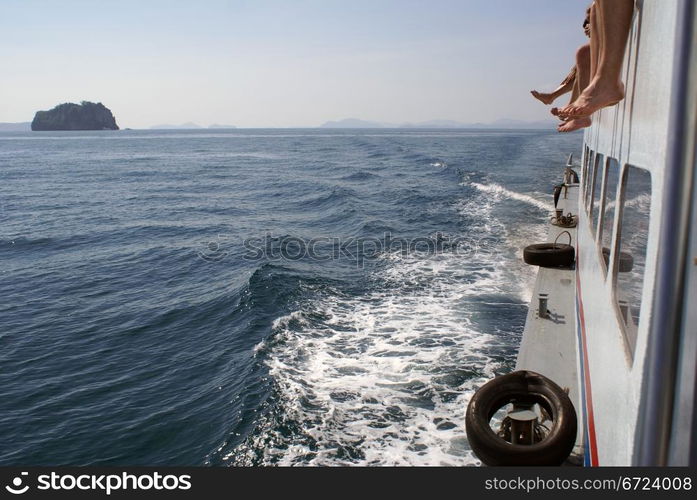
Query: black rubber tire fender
pixel 549 255
pixel 526 387
pixel 625 264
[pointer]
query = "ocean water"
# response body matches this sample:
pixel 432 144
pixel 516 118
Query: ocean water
pixel 259 297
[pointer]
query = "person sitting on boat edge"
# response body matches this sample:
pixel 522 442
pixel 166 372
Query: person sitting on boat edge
pixel 583 74
pixel 567 85
pixel 575 82
pixel 610 28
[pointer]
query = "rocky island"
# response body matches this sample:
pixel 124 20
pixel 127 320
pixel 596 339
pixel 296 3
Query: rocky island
pixel 70 116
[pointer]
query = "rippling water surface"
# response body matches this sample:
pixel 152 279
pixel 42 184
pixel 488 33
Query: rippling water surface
pixel 137 326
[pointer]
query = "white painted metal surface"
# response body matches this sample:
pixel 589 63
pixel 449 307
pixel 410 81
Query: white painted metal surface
pixel 635 133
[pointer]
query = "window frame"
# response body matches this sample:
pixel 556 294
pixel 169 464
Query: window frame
pixel 629 340
pixel 592 168
pixel 608 163
pixel 598 167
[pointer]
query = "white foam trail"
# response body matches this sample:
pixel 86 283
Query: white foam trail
pixel 641 202
pixel 384 378
pixel 388 374
pixel 501 191
pixel 512 236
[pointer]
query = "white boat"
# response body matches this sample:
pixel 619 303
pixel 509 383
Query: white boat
pixel 617 328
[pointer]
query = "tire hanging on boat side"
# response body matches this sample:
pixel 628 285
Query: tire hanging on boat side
pixel 625 263
pixel 549 255
pixel 521 387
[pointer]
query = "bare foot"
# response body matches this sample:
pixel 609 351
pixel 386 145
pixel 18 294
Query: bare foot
pixel 575 124
pixel 558 113
pixel 555 112
pixel 543 98
pixel 595 97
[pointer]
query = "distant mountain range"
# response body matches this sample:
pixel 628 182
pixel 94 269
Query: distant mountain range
pixel 347 123
pixel 15 127
pixel 498 124
pixel 187 126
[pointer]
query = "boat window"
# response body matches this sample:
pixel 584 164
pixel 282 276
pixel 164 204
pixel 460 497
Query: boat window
pixel 632 242
pixel 596 190
pixel 612 176
pixel 584 185
pixel 592 168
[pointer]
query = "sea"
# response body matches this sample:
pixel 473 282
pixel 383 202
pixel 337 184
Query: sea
pixel 262 296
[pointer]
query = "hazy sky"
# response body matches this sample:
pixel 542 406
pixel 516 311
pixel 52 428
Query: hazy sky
pixel 285 63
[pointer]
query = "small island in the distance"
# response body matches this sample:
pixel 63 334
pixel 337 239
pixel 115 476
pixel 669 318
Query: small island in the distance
pixel 70 116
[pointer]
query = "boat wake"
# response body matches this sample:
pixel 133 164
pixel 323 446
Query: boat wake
pixel 383 377
pixel 502 192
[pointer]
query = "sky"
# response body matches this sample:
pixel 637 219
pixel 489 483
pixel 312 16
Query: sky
pixel 286 63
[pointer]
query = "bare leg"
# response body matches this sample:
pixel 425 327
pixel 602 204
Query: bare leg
pixel 574 95
pixel 583 62
pixel 606 88
pixel 565 87
pixel 596 40
pixel 583 68
pixel 584 59
pixel 596 43
pixel 549 98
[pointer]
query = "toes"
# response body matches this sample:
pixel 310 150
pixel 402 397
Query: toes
pixel 574 124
